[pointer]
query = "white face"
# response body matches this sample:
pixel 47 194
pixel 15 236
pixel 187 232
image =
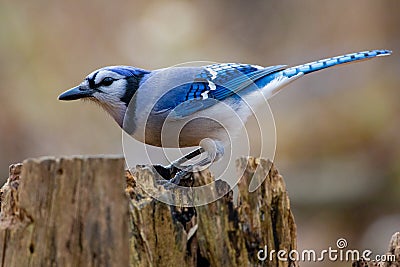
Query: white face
pixel 109 87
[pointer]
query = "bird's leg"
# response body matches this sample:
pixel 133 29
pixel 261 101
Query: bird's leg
pixel 187 171
pixel 214 150
pixel 178 163
pixel 174 167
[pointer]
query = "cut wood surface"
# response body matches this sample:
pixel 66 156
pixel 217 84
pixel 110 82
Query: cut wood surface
pixel 75 212
pixel 65 212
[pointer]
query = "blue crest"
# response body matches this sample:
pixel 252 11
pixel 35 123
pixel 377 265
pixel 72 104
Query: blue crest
pixel 126 70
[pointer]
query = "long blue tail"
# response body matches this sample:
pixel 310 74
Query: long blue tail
pixel 333 61
pixel 275 81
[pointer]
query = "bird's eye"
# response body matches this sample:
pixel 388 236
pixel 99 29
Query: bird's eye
pixel 107 81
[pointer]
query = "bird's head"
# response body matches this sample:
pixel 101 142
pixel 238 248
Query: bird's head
pixel 111 87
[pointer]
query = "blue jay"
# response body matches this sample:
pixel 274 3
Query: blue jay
pixel 143 102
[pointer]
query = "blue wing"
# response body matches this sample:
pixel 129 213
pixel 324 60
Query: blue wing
pixel 217 82
pixel 212 84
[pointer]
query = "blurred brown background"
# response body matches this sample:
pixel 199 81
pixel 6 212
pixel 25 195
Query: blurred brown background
pixel 338 146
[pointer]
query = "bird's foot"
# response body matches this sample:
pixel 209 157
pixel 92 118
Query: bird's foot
pixel 182 178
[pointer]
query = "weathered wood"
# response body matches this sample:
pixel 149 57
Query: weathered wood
pixel 65 212
pixel 73 212
pixel 220 233
pixel 394 249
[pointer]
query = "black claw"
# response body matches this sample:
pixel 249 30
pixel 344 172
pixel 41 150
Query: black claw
pixel 173 176
pixel 184 178
pixel 176 180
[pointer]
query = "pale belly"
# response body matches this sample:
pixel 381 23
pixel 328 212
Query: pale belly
pixel 220 122
pixel 215 123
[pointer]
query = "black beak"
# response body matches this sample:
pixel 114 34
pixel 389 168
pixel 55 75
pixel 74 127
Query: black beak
pixel 75 93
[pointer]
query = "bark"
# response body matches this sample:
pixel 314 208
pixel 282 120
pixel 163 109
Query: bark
pixel 65 212
pixel 218 234
pixel 74 212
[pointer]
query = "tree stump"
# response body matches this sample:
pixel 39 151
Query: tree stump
pixel 73 212
pixel 65 212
